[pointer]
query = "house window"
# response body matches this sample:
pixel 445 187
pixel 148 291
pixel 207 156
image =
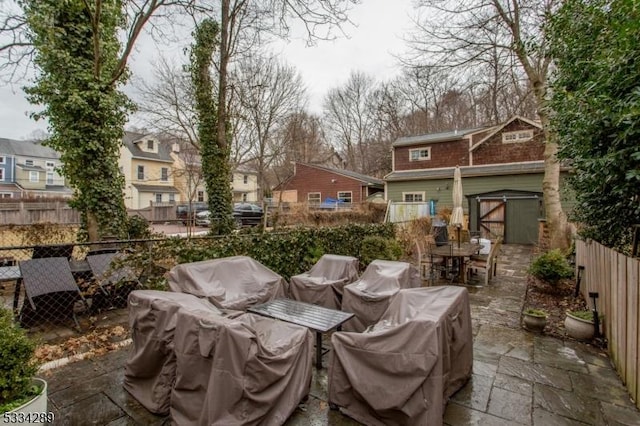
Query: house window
pixel 164 174
pixel 420 154
pixel 34 177
pixel 245 179
pixel 1 174
pixel 172 198
pixel 5 195
pixel 140 172
pixel 413 197
pixel 50 165
pixel 49 178
pixel 345 196
pixel 244 197
pixel 158 198
pixel 200 196
pixel 28 162
pixel 3 159
pixel 314 198
pixel 150 145
pixel 517 136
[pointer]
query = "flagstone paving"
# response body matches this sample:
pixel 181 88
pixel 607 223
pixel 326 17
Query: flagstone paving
pixel 518 378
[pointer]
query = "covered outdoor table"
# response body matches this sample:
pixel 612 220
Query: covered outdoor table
pixel 231 282
pixel 370 296
pixel 323 284
pixel 403 370
pixel 249 370
pixel 150 370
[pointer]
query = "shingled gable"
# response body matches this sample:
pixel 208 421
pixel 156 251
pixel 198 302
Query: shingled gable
pixel 499 128
pixel 367 180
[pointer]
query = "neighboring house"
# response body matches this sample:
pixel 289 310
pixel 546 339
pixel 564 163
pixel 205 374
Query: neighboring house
pixel 502 169
pixel 313 184
pixel 146 164
pixel 30 170
pixel 244 186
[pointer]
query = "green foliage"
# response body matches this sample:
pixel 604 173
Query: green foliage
pixel 535 312
pixel 596 113
pixel 551 267
pixel 287 253
pixel 375 247
pixel 215 155
pixel 17 367
pixel 77 59
pixel 583 315
pixel 138 228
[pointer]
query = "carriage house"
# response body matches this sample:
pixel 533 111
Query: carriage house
pixel 502 169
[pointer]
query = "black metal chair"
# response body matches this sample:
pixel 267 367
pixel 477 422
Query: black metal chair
pixel 50 291
pixel 114 282
pixel 58 250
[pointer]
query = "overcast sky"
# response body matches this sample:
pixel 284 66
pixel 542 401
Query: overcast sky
pixel 370 48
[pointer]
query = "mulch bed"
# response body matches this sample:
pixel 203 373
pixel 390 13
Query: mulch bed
pixel 556 301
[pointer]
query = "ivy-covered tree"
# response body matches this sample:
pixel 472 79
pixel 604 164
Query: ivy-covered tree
pixel 215 153
pixel 77 59
pixel 596 104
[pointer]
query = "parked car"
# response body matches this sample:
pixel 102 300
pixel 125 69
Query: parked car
pixel 244 214
pixel 182 211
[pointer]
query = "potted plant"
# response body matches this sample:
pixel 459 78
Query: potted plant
pixel 22 397
pixel 579 324
pixel 534 319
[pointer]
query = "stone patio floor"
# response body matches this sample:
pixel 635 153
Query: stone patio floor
pixel 518 378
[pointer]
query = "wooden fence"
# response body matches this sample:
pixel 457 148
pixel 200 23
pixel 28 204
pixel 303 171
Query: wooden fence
pixel 616 278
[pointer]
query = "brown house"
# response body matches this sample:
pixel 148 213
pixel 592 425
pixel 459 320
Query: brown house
pixel 313 184
pixel 502 169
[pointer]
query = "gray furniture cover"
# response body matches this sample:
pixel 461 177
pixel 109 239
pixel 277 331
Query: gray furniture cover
pixel 248 370
pixel 150 369
pixel 370 296
pixel 231 282
pixel 403 370
pixel 323 284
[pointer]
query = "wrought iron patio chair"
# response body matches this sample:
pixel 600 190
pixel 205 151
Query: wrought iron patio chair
pixel 50 290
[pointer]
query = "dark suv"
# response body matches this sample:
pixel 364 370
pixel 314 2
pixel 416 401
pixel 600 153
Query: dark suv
pixel 182 211
pixel 247 214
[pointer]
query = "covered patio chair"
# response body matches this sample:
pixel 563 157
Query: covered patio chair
pixel 370 296
pixel 403 370
pixel 230 283
pixel 114 282
pixel 50 291
pixel 323 284
pixel 248 370
pixel 151 368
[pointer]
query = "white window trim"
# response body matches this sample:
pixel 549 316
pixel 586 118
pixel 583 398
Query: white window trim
pixel 29 163
pixel 31 176
pixel 345 192
pixel 138 172
pixel 1 174
pixel 314 193
pixel 517 136
pixel 156 196
pixel 50 174
pixel 6 195
pixel 421 193
pixel 164 177
pixel 427 149
pixel 3 159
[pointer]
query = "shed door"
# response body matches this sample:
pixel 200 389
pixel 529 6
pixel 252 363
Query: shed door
pixel 491 218
pixel 522 221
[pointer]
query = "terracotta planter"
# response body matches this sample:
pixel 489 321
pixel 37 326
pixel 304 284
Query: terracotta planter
pixel 31 412
pixel 578 328
pixel 534 323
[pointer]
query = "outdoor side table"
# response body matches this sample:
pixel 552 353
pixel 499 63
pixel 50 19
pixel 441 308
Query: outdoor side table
pixel 316 318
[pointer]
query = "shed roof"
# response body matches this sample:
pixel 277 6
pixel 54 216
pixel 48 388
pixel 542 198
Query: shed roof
pixel 368 180
pixel 469 171
pixel 447 136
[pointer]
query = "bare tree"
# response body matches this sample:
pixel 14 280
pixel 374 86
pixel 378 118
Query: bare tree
pixel 464 33
pixel 269 91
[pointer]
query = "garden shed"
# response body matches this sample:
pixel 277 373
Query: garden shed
pixel 510 213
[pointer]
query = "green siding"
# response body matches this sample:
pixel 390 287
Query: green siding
pixel 440 189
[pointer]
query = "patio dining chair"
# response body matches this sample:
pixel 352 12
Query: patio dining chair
pixel 114 282
pixel 50 291
pixel 488 263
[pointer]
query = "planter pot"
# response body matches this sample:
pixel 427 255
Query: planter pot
pixel 578 328
pixel 31 412
pixel 534 323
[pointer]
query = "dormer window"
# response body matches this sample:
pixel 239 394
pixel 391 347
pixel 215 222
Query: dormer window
pixel 150 145
pixel 517 136
pixel 28 162
pixel 420 154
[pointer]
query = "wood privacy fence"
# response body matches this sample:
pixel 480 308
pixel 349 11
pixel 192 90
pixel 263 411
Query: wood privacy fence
pixel 616 278
pixel 27 213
